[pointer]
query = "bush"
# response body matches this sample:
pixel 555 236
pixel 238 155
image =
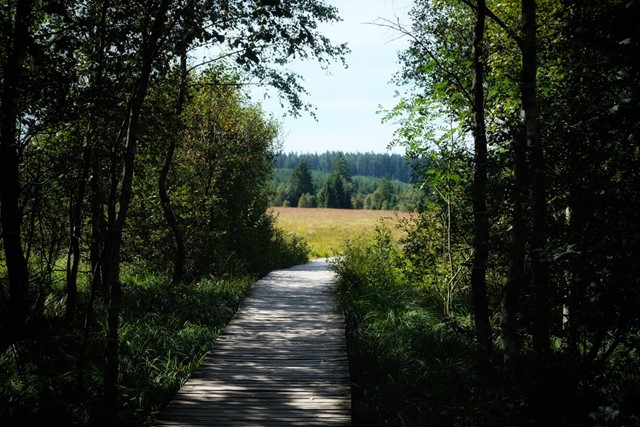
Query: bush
pixel 307 201
pixel 265 247
pixel 410 365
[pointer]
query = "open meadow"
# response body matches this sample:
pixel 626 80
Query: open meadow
pixel 327 230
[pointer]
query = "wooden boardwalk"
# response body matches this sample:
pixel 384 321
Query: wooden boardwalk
pixel 281 361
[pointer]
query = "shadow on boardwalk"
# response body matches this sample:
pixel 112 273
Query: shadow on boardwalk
pixel 280 362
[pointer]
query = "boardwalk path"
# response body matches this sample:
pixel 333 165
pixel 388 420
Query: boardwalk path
pixel 280 362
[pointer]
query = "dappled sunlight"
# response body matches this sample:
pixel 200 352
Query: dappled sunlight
pixel 282 359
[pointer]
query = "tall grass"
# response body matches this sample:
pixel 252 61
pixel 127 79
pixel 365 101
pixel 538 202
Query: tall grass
pixel 410 365
pixel 327 230
pixel 165 332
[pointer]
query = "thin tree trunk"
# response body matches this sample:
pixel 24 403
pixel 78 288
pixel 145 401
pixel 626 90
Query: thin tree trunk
pixel 450 282
pixel 449 202
pixel 576 225
pixel 540 319
pixel 515 276
pixel 96 196
pixel 480 216
pixel 75 234
pixel 97 224
pixel 9 172
pixel 165 202
pixel 112 251
pixel 540 291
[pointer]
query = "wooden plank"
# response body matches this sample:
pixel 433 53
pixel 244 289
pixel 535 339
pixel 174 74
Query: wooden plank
pixel 281 361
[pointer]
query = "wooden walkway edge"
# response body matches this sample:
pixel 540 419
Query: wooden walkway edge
pixel 281 361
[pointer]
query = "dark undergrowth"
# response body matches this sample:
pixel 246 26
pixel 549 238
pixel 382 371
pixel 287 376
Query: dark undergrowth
pixel 165 332
pixel 413 366
pixel 54 375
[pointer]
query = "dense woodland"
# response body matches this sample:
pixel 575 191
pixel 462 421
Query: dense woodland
pixel 328 181
pixel 513 299
pixel 377 165
pixel 133 192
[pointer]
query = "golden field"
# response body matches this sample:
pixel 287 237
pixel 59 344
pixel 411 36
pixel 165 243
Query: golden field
pixel 327 230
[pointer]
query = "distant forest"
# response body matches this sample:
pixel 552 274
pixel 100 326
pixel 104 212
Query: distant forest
pixel 345 181
pixel 378 165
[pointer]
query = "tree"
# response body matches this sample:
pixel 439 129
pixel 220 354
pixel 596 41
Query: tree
pixel 307 201
pixel 438 64
pixel 243 35
pixel 561 207
pixel 479 187
pixel 540 282
pixel 12 83
pixel 300 183
pixel 334 193
pixel 169 213
pixel 224 168
pixel 336 190
pixel 341 167
pixel 382 197
pixel 591 183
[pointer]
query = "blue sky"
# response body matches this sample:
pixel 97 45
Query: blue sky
pixel 347 100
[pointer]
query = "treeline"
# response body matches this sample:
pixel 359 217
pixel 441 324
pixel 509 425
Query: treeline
pixel 304 187
pixel 513 299
pixel 378 165
pixel 133 174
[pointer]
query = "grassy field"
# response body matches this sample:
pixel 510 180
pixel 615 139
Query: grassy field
pixel 326 230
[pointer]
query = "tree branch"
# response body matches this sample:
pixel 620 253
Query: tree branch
pixel 387 23
pixel 510 32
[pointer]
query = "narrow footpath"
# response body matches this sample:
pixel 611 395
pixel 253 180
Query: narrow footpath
pixel 281 361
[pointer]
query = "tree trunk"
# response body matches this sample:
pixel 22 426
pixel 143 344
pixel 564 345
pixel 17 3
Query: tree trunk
pixel 75 230
pixel 165 202
pixel 9 172
pixel 540 319
pixel 112 251
pixel 97 225
pixel 540 291
pixel 515 277
pixel 96 198
pixel 480 216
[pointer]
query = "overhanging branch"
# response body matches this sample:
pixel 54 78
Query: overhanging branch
pixel 396 26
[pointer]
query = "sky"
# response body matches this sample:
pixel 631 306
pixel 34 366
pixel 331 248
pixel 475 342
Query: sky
pixel 347 100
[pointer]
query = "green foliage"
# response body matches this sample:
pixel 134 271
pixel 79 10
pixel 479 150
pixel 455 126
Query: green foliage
pixel 377 165
pixel 166 330
pixel 437 258
pixel 409 364
pixel 364 192
pixel 307 201
pixel 227 155
pixel 287 249
pixel 340 167
pixel 300 184
pixel 218 185
pixel 584 52
pixel 334 193
pixel 414 364
pixel 92 109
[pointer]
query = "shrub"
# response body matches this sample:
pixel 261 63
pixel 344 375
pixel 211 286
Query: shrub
pixel 410 365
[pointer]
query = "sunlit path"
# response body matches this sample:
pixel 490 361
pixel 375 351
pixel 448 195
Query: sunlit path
pixel 280 362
